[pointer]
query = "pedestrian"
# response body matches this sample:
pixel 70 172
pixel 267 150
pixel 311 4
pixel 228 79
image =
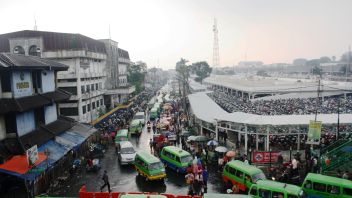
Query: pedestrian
pixel 106 182
pixel 205 179
pixel 197 186
pixel 151 144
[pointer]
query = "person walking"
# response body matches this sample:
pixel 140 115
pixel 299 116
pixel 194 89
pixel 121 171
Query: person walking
pixel 106 182
pixel 205 179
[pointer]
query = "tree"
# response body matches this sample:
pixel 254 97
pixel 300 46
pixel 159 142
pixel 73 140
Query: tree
pixel 324 59
pixel 317 70
pixel 202 70
pixel 136 75
pixel 313 62
pixel 299 61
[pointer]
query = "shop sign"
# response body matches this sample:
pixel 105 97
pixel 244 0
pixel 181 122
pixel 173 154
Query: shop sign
pixel 314 132
pixel 263 157
pixel 32 155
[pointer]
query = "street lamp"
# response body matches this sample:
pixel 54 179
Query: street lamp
pixel 290 153
pixel 250 155
pixel 270 158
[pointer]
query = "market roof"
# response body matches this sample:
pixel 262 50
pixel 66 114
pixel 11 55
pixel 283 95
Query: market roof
pixel 54 41
pixel 18 61
pixel 207 110
pixel 298 95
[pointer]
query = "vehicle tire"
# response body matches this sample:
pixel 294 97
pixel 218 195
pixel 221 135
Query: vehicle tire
pixel 229 185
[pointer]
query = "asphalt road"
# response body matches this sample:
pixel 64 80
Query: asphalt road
pixel 125 178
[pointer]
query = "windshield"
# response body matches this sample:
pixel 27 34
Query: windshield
pixel 139 117
pixel 258 176
pixel 128 150
pixel 156 165
pixel 186 159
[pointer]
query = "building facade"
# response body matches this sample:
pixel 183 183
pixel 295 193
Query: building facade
pixel 86 75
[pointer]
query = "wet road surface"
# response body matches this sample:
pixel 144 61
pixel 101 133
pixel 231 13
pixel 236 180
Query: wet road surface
pixel 125 178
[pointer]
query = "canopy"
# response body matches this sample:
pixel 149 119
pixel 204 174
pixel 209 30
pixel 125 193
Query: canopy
pixel 202 105
pixel 70 139
pixel 55 150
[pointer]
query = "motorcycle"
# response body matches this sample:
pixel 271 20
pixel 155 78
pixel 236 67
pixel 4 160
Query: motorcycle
pixel 96 166
pixel 149 127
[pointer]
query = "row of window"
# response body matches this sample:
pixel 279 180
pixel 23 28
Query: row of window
pixel 96 104
pixel 92 87
pixel 327 188
pixel 33 50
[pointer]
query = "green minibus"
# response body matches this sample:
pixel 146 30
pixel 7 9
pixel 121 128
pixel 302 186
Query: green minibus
pixel 317 185
pixel 121 135
pixel 149 166
pixel 241 174
pixel 176 159
pixel 153 113
pixel 269 188
pixel 136 127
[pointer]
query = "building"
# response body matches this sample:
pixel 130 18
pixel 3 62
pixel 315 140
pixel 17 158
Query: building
pixel 86 75
pixel 117 62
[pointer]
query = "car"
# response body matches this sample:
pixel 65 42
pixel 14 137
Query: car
pixel 125 152
pixel 140 116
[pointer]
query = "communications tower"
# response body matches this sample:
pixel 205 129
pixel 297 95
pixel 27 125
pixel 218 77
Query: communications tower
pixel 216 58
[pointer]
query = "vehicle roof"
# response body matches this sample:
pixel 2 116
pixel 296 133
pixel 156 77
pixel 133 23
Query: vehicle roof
pixel 215 195
pixel 244 167
pixel 147 157
pixel 135 122
pixel 272 185
pixel 124 144
pixel 329 180
pixel 140 113
pixel 154 109
pixel 122 132
pixel 176 151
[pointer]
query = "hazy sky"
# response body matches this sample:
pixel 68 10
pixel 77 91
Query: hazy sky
pixel 165 30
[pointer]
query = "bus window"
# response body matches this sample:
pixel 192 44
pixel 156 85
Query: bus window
pixel 178 159
pixel 239 174
pixel 319 187
pixel 264 193
pixel 232 171
pixel 277 195
pixel 254 191
pixel 333 190
pixel 308 184
pixel 248 178
pixel 347 191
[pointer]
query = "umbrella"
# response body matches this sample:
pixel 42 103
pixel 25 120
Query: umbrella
pixel 221 149
pixel 186 133
pixel 231 154
pixel 192 138
pixel 201 138
pixel 212 143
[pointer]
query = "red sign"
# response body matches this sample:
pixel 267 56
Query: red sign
pixel 264 157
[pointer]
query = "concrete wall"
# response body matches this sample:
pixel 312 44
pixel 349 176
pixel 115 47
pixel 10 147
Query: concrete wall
pixel 50 113
pixel 25 122
pixel 48 81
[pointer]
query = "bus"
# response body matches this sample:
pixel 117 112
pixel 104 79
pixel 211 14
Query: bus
pixel 149 166
pixel 176 159
pixel 269 188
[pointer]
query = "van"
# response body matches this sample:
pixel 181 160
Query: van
pixel 140 116
pixel 268 188
pixel 317 185
pixel 125 152
pixel 153 113
pixel 241 174
pixel 176 159
pixel 149 166
pixel 135 127
pixel 121 135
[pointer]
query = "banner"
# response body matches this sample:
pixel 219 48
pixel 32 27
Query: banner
pixel 32 155
pixel 263 157
pixel 314 132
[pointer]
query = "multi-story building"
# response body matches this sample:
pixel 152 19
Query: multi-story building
pixel 86 75
pixel 117 62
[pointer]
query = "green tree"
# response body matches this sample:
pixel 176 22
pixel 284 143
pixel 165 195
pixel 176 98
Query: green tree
pixel 324 59
pixel 317 70
pixel 202 70
pixel 136 75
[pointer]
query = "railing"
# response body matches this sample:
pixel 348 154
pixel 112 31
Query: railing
pixel 338 156
pixel 333 146
pixel 94 122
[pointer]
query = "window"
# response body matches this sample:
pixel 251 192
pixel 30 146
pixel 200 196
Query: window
pixel 254 191
pixel 10 123
pixel 84 109
pixel 37 81
pixel 277 195
pixel 308 184
pixel 92 87
pixel 264 193
pixel 83 89
pixel 18 50
pixel 88 88
pixel 239 174
pixel 69 111
pixel 72 90
pixel 88 107
pixel 5 81
pixel 178 159
pixel 93 105
pixel 333 189
pixel 319 187
pixel 100 85
pixel 248 178
pixel 232 171
pixel 101 102
pixel 347 191
pixel 98 103
pixel 34 51
pixel 96 86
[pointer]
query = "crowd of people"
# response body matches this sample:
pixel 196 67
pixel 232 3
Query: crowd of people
pixel 292 106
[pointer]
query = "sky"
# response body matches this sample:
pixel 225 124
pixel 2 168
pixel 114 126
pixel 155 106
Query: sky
pixel 160 32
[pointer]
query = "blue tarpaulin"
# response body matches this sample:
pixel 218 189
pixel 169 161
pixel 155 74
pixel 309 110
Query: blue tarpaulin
pixel 56 151
pixel 71 140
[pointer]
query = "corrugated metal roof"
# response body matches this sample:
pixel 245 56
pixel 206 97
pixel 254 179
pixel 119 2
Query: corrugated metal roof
pixel 54 41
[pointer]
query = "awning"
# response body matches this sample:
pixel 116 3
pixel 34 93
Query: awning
pixel 37 137
pixel 55 151
pixel 83 130
pixel 70 139
pixel 59 126
pixel 18 165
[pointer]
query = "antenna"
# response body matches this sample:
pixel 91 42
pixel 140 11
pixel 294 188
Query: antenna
pixel 216 58
pixel 35 24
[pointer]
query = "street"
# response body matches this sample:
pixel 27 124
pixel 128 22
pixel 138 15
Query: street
pixel 125 178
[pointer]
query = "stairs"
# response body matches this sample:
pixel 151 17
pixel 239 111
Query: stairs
pixel 340 156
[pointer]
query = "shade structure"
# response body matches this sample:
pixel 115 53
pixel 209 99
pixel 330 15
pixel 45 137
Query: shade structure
pixel 201 138
pixel 186 133
pixel 191 138
pixel 212 143
pixel 231 154
pixel 221 149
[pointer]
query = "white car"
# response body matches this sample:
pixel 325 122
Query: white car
pixel 125 152
pixel 140 116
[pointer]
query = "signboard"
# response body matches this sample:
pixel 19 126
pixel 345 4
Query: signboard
pixel 263 157
pixel 32 155
pixel 22 85
pixel 314 132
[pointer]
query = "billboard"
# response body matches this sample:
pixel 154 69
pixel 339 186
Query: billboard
pixel 32 155
pixel 314 132
pixel 263 157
